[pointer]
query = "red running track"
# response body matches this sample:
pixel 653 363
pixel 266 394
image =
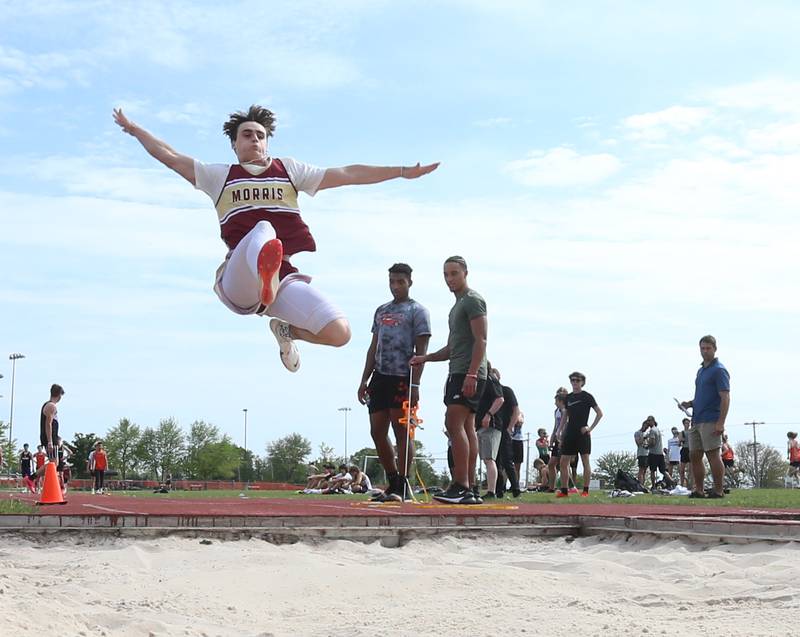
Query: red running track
pixel 85 504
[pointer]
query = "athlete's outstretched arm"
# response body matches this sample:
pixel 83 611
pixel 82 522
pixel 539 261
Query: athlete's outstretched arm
pixel 163 152
pixel 360 174
pixel 438 356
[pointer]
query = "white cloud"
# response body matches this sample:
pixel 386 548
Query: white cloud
pixel 778 137
pixel 25 70
pixel 778 95
pixel 659 125
pixel 560 167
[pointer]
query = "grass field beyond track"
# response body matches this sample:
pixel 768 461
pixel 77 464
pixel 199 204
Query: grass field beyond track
pixel 745 498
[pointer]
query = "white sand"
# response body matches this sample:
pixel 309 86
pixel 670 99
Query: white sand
pixel 449 586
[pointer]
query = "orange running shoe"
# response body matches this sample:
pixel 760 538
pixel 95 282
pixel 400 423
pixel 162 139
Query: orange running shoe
pixel 269 265
pixel 561 494
pixel 584 494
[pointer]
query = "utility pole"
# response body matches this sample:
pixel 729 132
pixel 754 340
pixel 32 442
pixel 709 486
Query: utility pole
pixel 756 475
pixel 13 358
pixel 345 410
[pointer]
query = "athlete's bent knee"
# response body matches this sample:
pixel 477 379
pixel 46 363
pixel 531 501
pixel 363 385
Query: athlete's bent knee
pixel 336 333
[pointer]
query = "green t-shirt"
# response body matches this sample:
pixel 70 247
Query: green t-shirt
pixel 469 306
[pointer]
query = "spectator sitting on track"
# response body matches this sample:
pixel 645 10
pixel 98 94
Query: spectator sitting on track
pixel 319 480
pixel 544 475
pixel 360 482
pixel 339 482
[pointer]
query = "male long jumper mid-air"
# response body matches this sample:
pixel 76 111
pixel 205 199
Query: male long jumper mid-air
pixel 259 216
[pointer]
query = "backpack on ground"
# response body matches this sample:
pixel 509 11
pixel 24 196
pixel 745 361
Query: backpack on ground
pixel 626 482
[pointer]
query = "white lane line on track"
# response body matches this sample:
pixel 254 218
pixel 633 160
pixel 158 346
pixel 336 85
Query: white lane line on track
pixel 341 507
pixel 110 510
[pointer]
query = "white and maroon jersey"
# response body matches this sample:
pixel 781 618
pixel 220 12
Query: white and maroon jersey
pixel 245 194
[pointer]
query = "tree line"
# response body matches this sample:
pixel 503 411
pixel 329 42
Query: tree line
pixel 769 472
pixel 203 453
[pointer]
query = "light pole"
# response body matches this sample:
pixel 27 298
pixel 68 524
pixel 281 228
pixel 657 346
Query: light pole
pixel 13 358
pixel 245 442
pixel 345 410
pixel 245 428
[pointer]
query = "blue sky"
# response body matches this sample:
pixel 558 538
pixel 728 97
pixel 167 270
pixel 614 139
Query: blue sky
pixel 620 176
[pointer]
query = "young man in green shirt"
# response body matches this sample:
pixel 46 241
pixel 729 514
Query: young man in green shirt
pixel 466 351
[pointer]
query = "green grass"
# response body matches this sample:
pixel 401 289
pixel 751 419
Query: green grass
pixel 742 498
pixel 738 498
pixel 15 506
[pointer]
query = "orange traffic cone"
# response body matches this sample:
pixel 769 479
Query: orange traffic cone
pixel 51 492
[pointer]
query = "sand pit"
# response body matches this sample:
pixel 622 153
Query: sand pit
pixel 176 586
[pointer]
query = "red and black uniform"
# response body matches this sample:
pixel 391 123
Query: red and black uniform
pixel 270 196
pixel 100 462
pixel 26 463
pixel 727 456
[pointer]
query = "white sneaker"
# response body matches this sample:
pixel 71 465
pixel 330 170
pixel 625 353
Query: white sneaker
pixel 290 356
pixel 92 491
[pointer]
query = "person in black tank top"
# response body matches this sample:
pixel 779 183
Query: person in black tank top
pixel 25 461
pixel 48 422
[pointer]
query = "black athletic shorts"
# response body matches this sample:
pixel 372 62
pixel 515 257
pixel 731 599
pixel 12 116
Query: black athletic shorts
pixel 387 392
pixel 43 441
pixel 727 463
pixel 452 392
pixel 517 451
pixel 685 456
pixel 545 458
pixel 555 450
pixel 576 445
pixel 656 461
pixel 795 464
pixel 641 461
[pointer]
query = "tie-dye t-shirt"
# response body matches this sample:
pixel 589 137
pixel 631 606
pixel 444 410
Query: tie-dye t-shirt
pixel 397 326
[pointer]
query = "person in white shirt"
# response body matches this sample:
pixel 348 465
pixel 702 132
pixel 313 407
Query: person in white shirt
pixel 674 451
pixel 257 206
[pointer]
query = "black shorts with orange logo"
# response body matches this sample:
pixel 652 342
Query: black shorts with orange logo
pixel 387 392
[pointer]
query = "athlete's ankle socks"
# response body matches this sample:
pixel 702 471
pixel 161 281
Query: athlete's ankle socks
pixel 564 491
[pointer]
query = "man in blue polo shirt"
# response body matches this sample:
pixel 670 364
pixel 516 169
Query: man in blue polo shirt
pixel 712 398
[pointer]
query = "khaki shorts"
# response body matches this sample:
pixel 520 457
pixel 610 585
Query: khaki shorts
pixel 489 443
pixel 702 437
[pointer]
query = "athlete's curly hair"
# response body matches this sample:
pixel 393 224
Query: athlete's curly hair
pixel 256 113
pixel 401 268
